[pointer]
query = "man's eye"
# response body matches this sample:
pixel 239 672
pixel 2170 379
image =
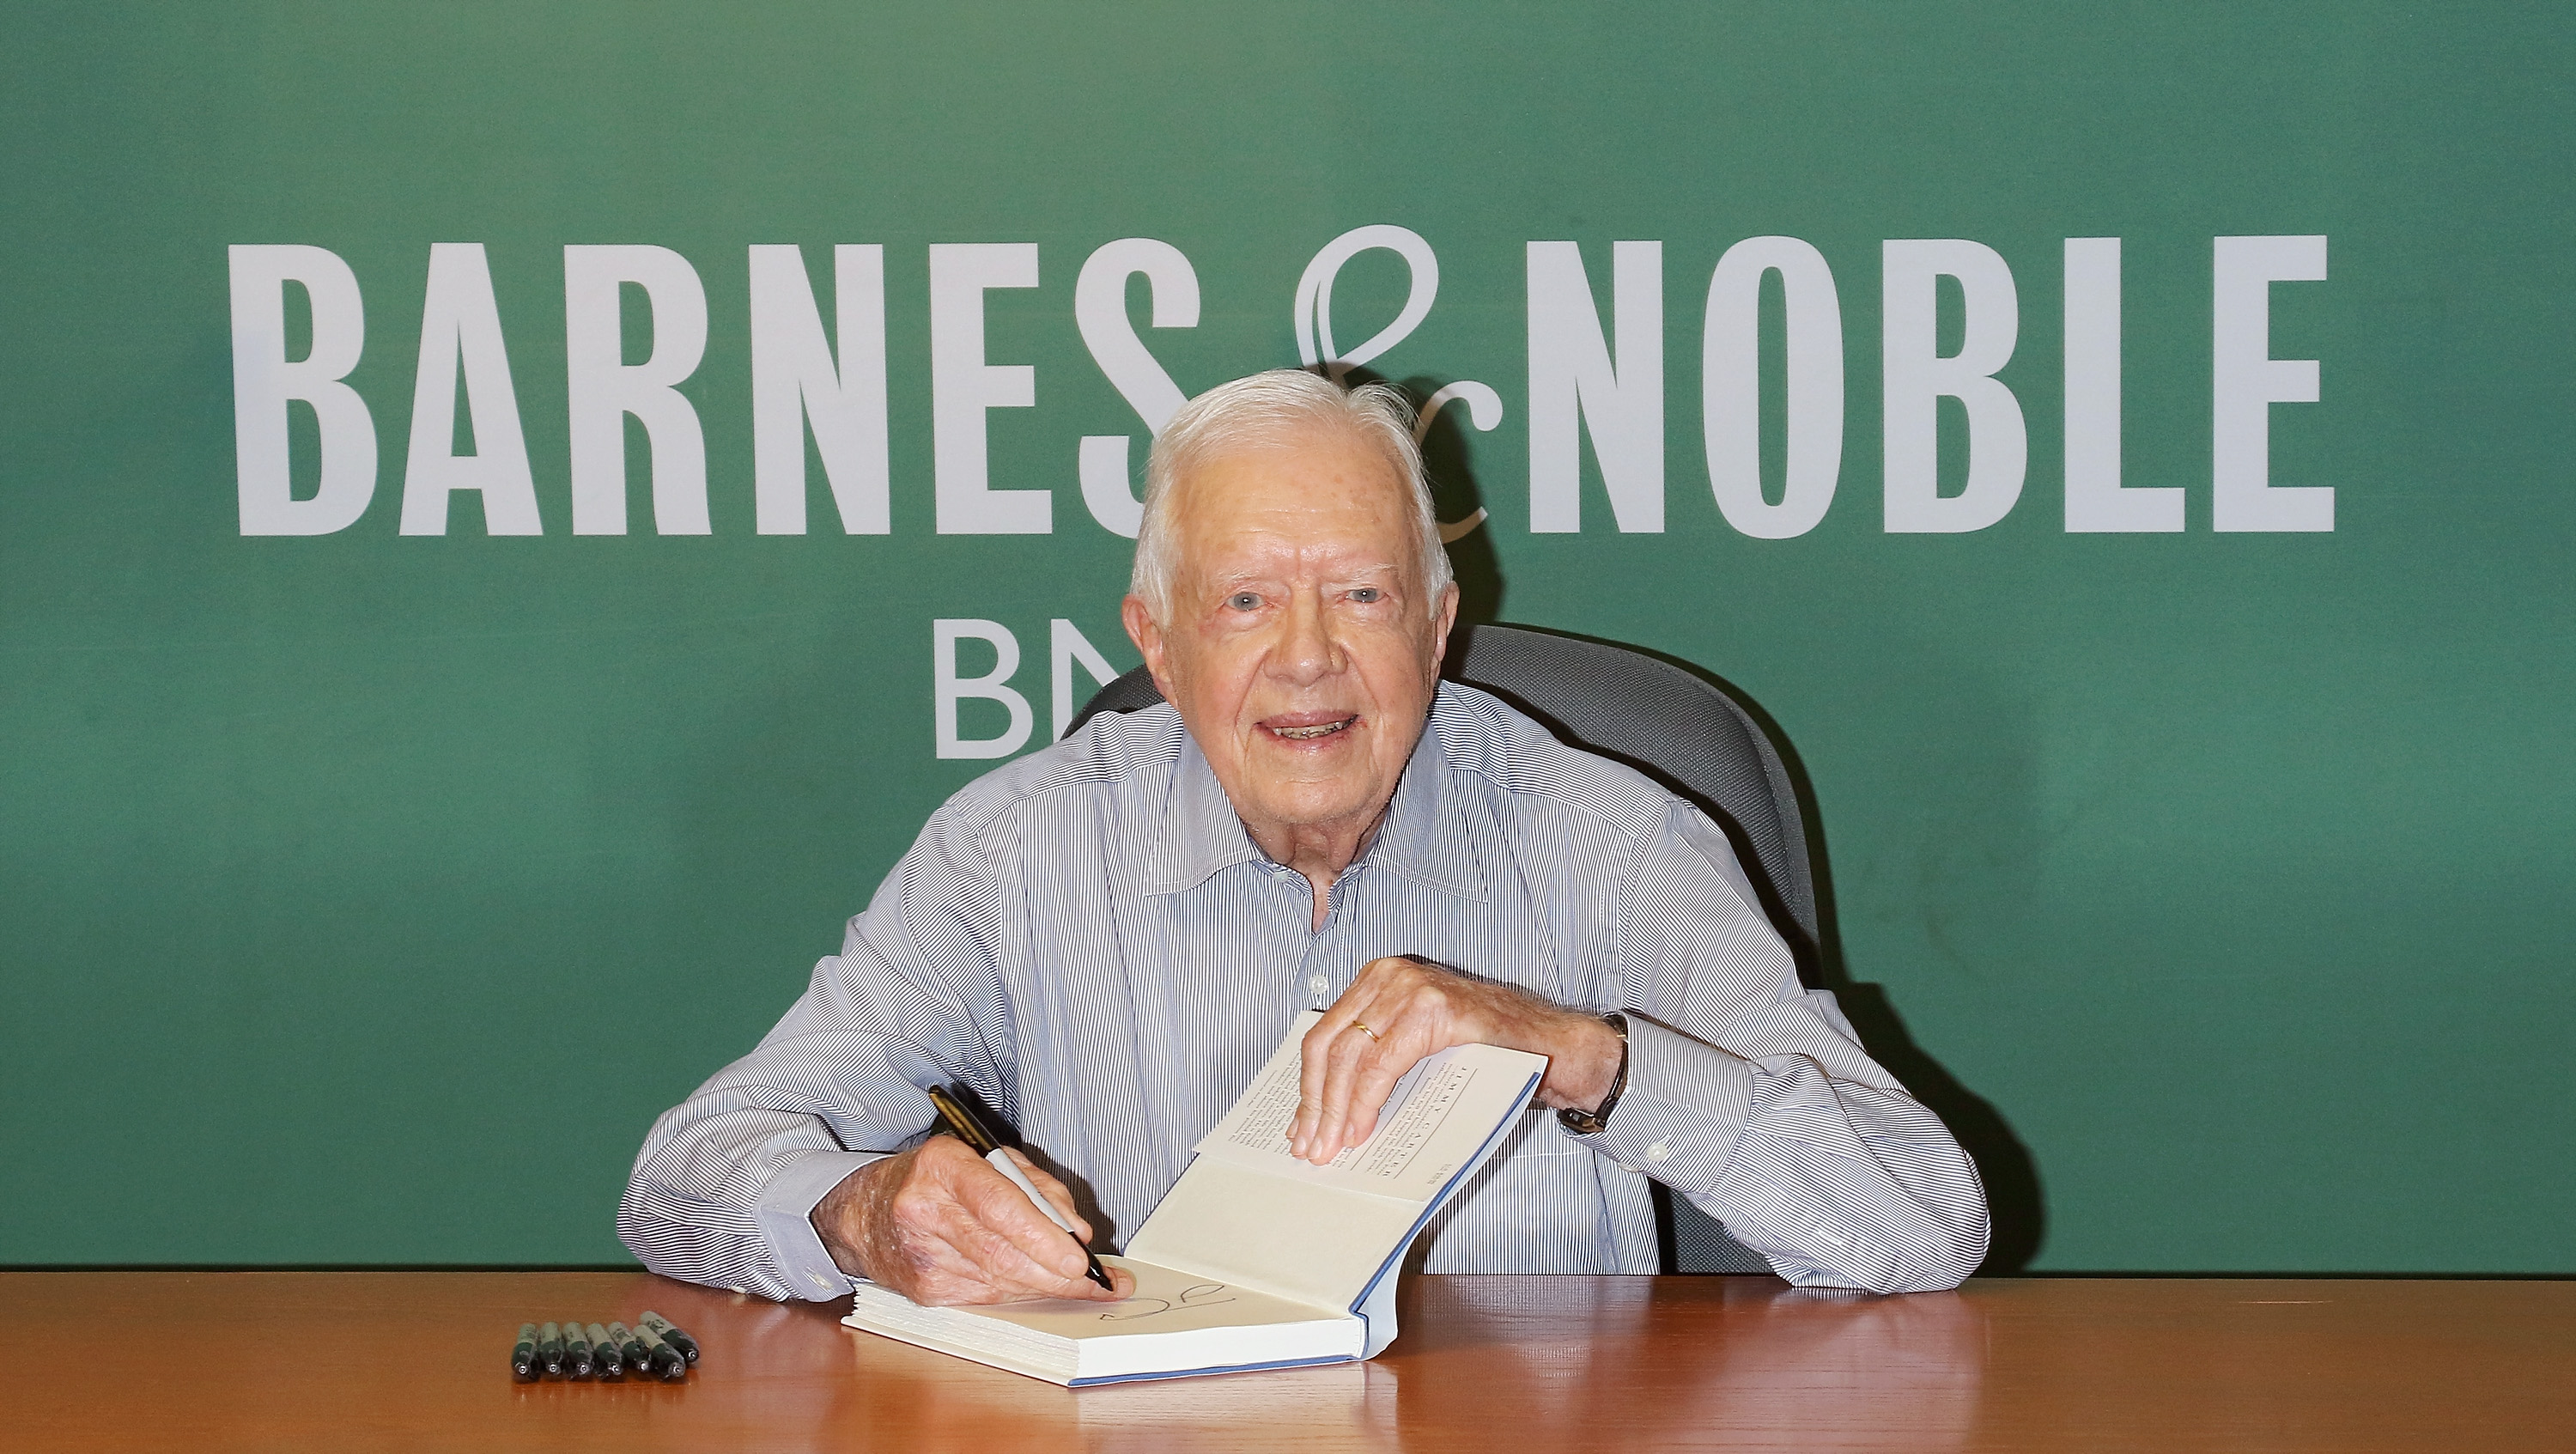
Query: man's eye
pixel 1244 601
pixel 1367 595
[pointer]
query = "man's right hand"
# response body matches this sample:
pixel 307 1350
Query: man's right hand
pixel 941 1226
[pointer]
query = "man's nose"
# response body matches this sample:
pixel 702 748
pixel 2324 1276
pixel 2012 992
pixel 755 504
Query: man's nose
pixel 1306 652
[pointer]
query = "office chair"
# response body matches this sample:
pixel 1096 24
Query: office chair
pixel 1679 729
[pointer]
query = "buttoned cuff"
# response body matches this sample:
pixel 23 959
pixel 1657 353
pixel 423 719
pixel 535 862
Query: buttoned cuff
pixel 1685 1103
pixel 787 1220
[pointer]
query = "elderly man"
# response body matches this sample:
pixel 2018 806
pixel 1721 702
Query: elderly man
pixel 1105 939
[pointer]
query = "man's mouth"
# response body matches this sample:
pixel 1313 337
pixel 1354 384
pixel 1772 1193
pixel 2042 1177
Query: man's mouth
pixel 1307 726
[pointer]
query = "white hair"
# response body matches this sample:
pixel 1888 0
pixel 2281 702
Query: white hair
pixel 1265 408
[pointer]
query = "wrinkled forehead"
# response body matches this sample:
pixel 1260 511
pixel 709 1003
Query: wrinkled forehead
pixel 1296 481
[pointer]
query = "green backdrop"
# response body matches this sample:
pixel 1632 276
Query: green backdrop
pixel 364 896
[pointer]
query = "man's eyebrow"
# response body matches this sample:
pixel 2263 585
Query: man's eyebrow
pixel 1230 581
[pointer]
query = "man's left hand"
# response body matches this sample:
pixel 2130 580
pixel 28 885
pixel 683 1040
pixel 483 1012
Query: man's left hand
pixel 1400 1010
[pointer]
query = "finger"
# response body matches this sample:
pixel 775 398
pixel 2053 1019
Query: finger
pixel 936 1258
pixel 1361 1093
pixel 1023 1279
pixel 1054 1190
pixel 946 1274
pixel 1005 1211
pixel 1341 1071
pixel 996 1267
pixel 1385 967
pixel 950 1250
pixel 1084 1288
pixel 1315 1086
pixel 1078 1288
pixel 1375 1080
pixel 975 1237
pixel 1368 989
pixel 1313 1054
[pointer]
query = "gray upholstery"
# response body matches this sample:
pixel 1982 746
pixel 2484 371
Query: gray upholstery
pixel 1677 727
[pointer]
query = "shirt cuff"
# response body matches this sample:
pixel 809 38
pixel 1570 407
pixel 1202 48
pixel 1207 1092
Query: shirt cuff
pixel 1685 1103
pixel 787 1221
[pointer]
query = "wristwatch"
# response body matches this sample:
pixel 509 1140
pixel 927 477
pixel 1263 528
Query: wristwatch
pixel 1597 1120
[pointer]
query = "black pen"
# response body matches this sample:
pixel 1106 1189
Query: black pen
pixel 550 1350
pixel 958 1119
pixel 630 1349
pixel 605 1355
pixel 663 1358
pixel 523 1354
pixel 670 1333
pixel 576 1350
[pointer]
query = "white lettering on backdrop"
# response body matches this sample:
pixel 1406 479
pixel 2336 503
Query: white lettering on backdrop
pixel 1731 386
pixel 963 387
pixel 265 381
pixel 2246 381
pixel 950 686
pixel 795 381
pixel 1574 379
pixel 601 388
pixel 1100 311
pixel 1584 380
pixel 460 333
pixel 1918 376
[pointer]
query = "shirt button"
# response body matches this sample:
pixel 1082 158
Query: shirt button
pixel 1660 1151
pixel 1318 984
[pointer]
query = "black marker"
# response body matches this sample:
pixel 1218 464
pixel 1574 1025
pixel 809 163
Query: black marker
pixel 958 1119
pixel 670 1333
pixel 523 1354
pixel 550 1350
pixel 664 1359
pixel 630 1349
pixel 605 1356
pixel 577 1350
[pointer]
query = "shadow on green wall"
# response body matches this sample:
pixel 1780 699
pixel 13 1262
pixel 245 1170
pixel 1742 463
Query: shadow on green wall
pixel 2011 1178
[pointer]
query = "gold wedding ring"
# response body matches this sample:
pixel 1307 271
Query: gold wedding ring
pixel 1365 1030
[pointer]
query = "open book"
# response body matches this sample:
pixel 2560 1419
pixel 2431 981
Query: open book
pixel 1255 1259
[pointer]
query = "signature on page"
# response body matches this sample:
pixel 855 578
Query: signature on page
pixel 1196 1295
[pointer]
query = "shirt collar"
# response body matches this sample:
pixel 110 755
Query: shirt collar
pixel 1428 835
pixel 1201 833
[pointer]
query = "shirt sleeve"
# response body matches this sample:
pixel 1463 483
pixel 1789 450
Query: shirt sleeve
pixel 724 1187
pixel 1752 1096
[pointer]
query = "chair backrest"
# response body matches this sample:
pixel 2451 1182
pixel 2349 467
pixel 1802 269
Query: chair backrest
pixel 1681 729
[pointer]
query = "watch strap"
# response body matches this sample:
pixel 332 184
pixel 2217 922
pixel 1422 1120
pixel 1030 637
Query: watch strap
pixel 1595 1121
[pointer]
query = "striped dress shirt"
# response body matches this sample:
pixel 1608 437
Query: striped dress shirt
pixel 1089 938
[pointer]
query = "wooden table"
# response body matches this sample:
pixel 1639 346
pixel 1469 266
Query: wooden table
pixel 347 1362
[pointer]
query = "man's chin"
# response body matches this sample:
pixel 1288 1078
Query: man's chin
pixel 1313 805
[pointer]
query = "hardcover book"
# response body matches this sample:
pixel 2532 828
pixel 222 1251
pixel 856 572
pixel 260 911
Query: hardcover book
pixel 1254 1258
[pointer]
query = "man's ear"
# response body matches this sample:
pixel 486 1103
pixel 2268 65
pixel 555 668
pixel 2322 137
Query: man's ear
pixel 1443 619
pixel 1148 636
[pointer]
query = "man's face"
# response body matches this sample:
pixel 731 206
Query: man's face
pixel 1301 650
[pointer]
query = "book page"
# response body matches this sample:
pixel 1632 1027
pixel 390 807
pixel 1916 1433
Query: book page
pixel 1165 1301
pixel 1304 1242
pixel 1434 1120
pixel 1249 1214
